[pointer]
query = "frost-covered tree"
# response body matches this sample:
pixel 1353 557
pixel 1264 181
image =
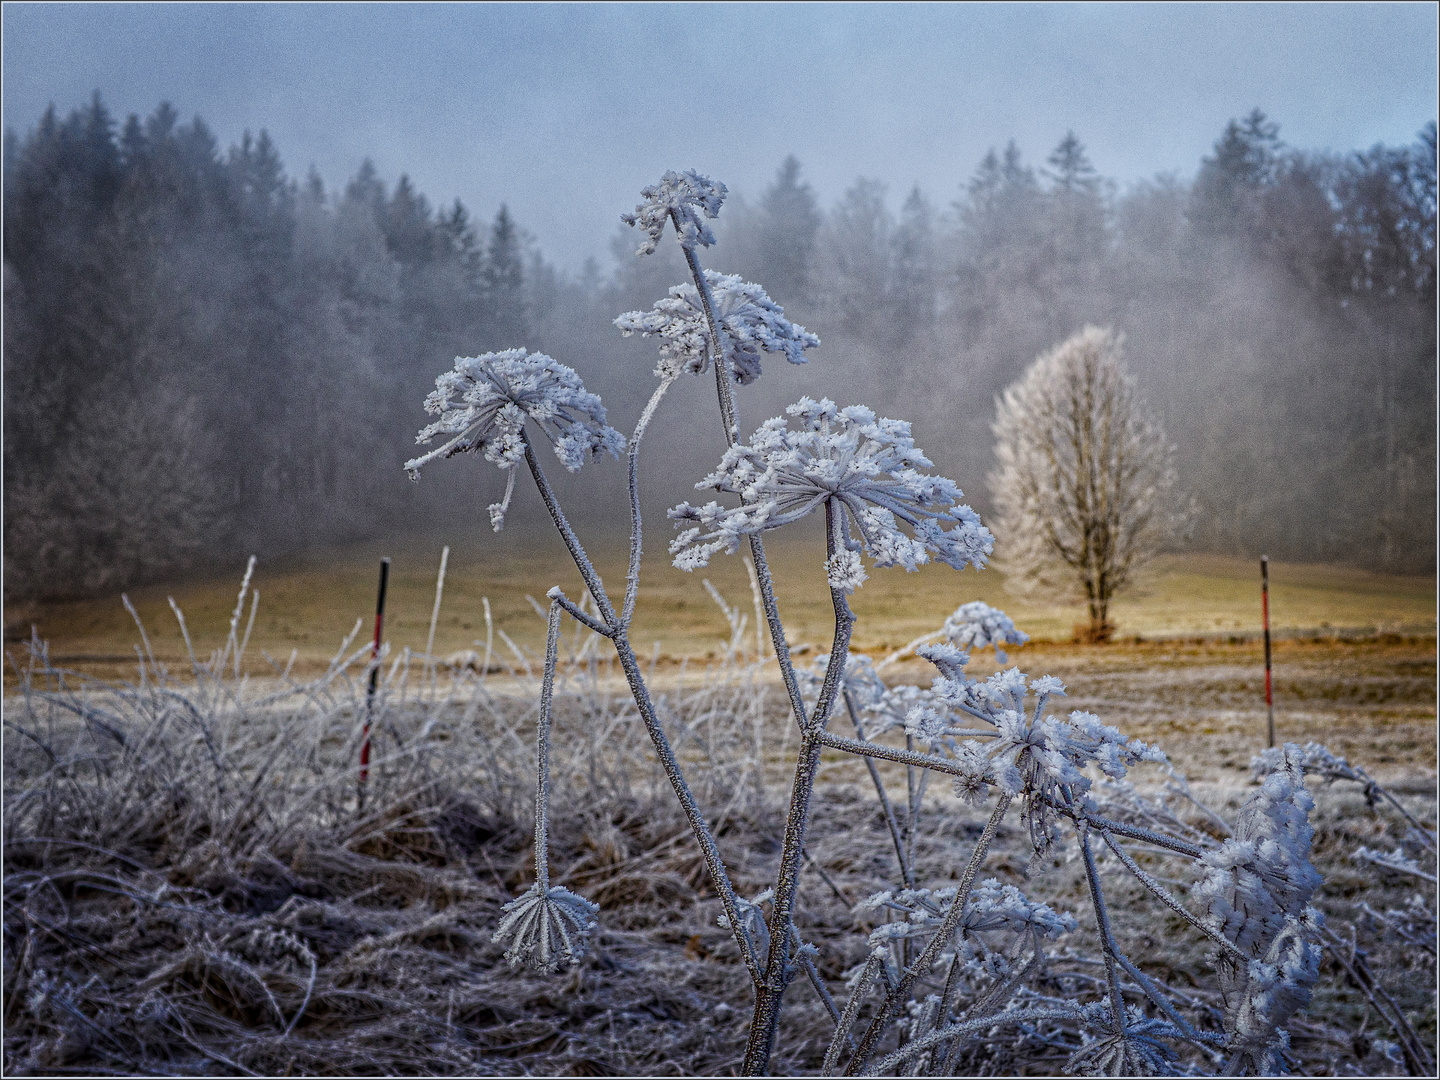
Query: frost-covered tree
pixel 1084 478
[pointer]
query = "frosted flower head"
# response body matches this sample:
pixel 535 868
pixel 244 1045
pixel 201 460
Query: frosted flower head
pixel 977 773
pixel 893 707
pixel 750 319
pixel 483 403
pixel 1130 1049
pixel 682 197
pixel 865 468
pixel 994 906
pixel 546 930
pixel 1261 877
pixel 1038 757
pixel 977 625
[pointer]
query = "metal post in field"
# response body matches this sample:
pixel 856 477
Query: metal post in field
pixel 1265 615
pixel 374 678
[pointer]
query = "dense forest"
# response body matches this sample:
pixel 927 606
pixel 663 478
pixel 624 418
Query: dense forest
pixel 205 356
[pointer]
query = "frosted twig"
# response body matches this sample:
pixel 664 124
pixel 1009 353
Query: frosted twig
pixel 923 962
pixel 890 822
pixel 435 611
pixel 632 576
pixel 558 597
pixel 1102 921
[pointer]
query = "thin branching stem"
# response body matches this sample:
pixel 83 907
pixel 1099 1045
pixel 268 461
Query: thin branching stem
pixel 575 612
pixel 891 823
pixel 632 576
pixel 890 753
pixel 719 878
pixel 724 389
pixel 1102 921
pixel 852 1011
pixel 923 962
pixel 542 752
pixel 769 993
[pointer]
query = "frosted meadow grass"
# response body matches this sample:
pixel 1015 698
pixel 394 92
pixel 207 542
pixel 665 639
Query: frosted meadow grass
pixel 191 887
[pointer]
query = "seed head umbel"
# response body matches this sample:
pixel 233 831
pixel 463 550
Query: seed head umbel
pixel 683 196
pixel 547 929
pixel 751 321
pixel 866 467
pixel 484 401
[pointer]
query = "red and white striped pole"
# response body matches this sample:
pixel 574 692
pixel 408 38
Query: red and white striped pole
pixel 1265 614
pixel 374 677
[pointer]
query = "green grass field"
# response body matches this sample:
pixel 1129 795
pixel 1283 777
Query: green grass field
pixel 310 605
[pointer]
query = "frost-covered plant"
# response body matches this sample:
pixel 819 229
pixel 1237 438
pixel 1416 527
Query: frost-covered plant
pixel 1413 924
pixel 1257 890
pixel 679 199
pixel 750 319
pixel 977 625
pixel 546 925
pixel 997 740
pixel 862 470
pixel 1084 478
pixel 484 401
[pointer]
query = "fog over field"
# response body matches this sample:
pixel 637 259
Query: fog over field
pixel 240 243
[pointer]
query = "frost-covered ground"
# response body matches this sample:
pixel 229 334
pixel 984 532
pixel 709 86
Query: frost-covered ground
pixel 192 888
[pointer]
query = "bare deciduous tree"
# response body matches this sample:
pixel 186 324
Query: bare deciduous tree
pixel 1084 479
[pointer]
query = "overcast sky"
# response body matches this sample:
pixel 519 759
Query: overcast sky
pixel 564 112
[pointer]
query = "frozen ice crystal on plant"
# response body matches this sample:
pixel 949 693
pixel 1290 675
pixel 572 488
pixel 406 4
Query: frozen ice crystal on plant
pixel 1262 875
pixel 977 625
pixel 752 922
pixel 994 906
pixel 484 401
pixel 1257 887
pixel 864 467
pixel 683 197
pixel 547 930
pixel 1129 1049
pixel 844 571
pixel 977 773
pixel 750 319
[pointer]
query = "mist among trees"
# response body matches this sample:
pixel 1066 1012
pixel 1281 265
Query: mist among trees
pixel 205 356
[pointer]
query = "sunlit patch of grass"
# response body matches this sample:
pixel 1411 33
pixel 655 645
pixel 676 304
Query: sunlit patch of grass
pixel 307 605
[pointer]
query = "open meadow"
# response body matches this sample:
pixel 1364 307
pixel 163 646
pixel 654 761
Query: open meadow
pixel 310 605
pixel 194 886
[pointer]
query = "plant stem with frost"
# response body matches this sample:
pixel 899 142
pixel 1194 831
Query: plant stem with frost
pixel 726 394
pixel 922 963
pixel 632 576
pixel 542 753
pixel 769 993
pixel 638 689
